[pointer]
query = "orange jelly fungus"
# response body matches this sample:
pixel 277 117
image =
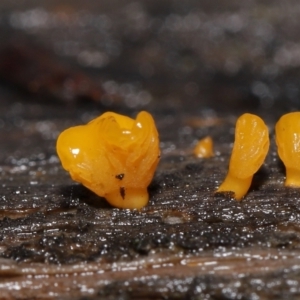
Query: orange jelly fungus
pixel 249 151
pixel 288 143
pixel 204 148
pixel 114 156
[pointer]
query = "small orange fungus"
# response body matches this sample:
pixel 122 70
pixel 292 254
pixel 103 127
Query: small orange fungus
pixel 114 156
pixel 204 148
pixel 249 151
pixel 288 144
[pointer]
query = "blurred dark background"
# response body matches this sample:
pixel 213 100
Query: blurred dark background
pixel 221 54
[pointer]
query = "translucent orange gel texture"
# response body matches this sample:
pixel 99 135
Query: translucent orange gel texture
pixel 288 144
pixel 250 148
pixel 204 148
pixel 114 156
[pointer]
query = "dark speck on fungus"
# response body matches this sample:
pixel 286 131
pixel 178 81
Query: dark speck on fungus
pixel 120 176
pixel 122 192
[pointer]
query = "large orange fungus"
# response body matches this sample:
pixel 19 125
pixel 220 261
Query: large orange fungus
pixel 114 156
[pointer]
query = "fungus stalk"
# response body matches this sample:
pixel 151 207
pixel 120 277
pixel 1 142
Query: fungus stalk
pixel 248 154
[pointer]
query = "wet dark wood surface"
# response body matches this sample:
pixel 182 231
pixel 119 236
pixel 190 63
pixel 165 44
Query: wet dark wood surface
pixel 196 67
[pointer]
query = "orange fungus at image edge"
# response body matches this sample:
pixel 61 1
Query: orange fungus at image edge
pixel 287 132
